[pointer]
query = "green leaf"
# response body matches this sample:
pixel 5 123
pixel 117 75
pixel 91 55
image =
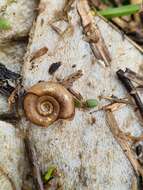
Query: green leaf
pixel 4 24
pixel 91 103
pixel 49 173
pixel 120 11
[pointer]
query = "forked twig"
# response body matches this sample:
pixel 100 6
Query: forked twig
pixel 92 33
pixel 130 88
pixel 117 100
pixel 123 142
pixel 33 161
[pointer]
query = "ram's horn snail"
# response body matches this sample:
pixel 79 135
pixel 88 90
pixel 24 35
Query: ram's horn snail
pixel 47 102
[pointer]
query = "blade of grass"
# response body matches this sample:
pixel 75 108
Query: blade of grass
pixel 120 11
pixel 49 173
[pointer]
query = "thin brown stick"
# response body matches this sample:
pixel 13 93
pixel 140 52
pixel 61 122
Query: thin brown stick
pixel 118 100
pixel 33 161
pixel 76 94
pixel 135 139
pixel 56 29
pixel 112 107
pixel 122 140
pixel 68 83
pixel 63 14
pixel 68 5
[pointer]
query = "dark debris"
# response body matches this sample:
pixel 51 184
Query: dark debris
pixel 53 67
pixel 7 74
pixel 10 117
pixel 5 88
pixel 8 80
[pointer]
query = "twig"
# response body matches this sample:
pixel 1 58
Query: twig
pixel 68 83
pixel 32 157
pixel 92 32
pixel 69 80
pixel 68 5
pixel 135 139
pixel 133 76
pixel 112 107
pixel 75 94
pixel 130 87
pixel 122 140
pixel 63 14
pixel 118 100
pixel 56 29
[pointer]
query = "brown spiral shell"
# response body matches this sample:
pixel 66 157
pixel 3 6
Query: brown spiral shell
pixel 47 102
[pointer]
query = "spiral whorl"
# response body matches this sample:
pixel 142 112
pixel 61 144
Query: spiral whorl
pixel 46 102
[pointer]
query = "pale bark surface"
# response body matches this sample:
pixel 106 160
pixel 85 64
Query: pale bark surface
pixel 12 161
pixel 20 15
pixel 85 154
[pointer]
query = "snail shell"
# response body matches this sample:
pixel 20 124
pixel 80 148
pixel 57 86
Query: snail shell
pixel 46 102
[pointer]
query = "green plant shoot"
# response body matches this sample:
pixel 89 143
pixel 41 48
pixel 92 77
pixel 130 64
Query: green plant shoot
pixel 4 24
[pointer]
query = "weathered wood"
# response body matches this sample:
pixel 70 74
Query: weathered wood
pixel 33 163
pixel 12 161
pixel 85 153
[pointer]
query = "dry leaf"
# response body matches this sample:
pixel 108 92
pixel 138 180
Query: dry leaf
pixel 68 81
pixel 39 53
